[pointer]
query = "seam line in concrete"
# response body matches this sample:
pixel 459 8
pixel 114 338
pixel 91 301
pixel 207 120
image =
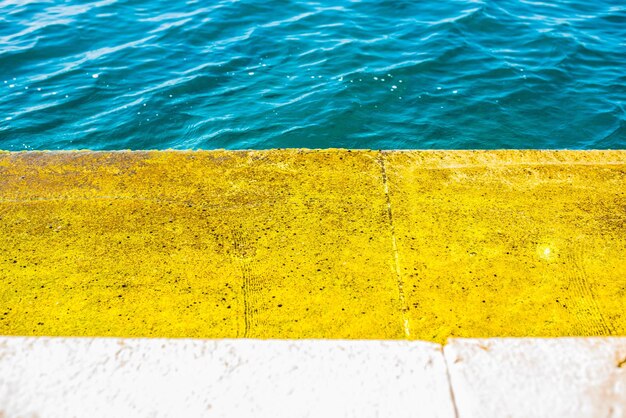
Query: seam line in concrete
pixel 247 314
pixel 401 297
pixel 247 277
pixel 449 378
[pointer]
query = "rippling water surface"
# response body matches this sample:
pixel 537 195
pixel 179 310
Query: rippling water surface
pixel 141 74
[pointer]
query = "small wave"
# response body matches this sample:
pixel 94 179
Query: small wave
pixel 113 73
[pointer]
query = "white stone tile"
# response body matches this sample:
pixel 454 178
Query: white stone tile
pixel 530 377
pixel 64 377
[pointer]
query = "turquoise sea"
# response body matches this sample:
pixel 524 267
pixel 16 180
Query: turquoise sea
pixel 147 74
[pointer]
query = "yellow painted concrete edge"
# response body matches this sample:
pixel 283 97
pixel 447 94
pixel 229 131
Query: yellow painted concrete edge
pixel 313 243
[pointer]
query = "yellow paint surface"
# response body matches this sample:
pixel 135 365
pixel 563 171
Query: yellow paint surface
pixel 313 244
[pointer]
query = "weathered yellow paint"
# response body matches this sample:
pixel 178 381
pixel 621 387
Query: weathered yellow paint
pixel 511 243
pixel 313 244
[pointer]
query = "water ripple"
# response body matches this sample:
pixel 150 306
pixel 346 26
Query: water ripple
pixel 114 74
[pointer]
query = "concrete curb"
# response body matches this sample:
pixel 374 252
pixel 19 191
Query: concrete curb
pixel 98 377
pixel 84 377
pixel 297 244
pixel 530 377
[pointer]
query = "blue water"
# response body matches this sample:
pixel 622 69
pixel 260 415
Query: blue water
pixel 141 74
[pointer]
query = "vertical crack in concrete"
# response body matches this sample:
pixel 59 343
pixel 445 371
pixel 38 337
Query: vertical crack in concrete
pixel 247 314
pixel 240 250
pixel 449 377
pixel 400 283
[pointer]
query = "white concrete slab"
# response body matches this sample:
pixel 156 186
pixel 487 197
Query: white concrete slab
pixel 66 377
pixel 529 377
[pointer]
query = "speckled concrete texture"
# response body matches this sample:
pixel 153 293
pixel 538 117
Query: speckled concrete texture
pixel 511 243
pixel 313 244
pixel 280 244
pixel 66 377
pixel 529 377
